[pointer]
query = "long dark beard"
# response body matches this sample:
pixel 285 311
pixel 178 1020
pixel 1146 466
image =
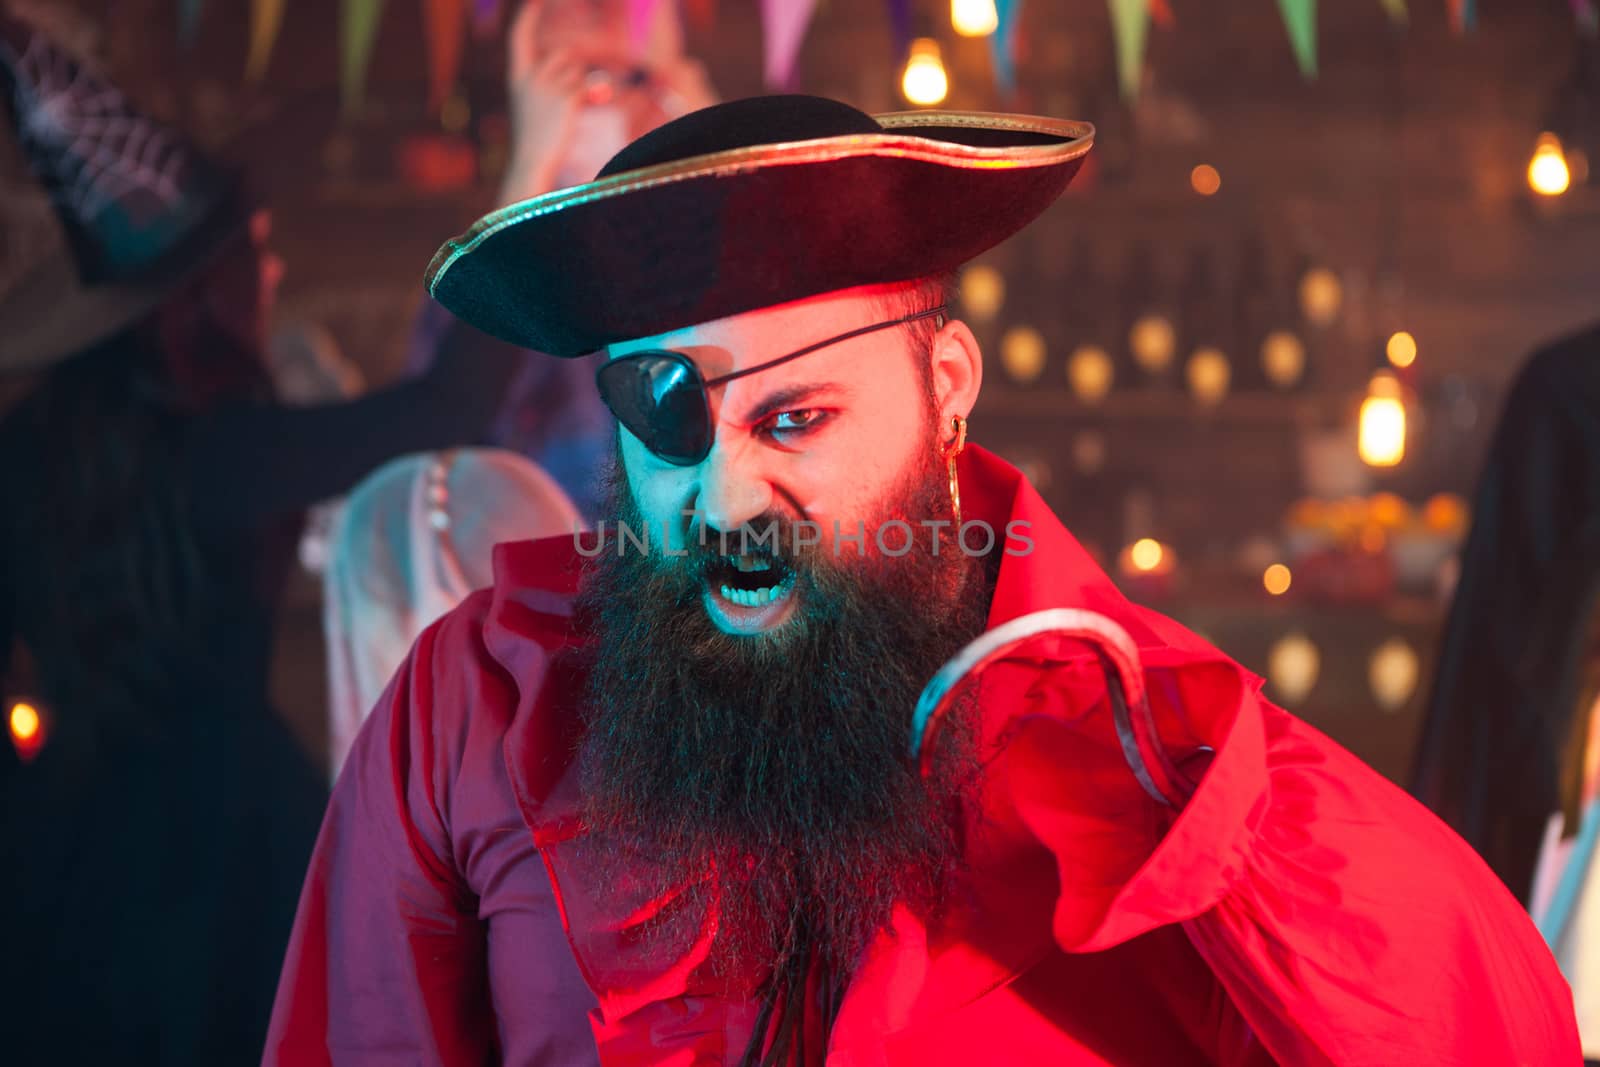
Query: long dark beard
pixel 780 762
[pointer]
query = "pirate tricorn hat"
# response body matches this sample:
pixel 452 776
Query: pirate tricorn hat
pixel 748 204
pixel 137 209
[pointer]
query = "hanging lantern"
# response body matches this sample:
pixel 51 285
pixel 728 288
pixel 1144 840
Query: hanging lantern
pixel 1321 295
pixel 924 81
pixel 1208 373
pixel 974 18
pixel 983 291
pixel 1153 342
pixel 1293 664
pixel 1283 358
pixel 1022 351
pixel 1548 173
pixel 1381 438
pixel 1090 372
pixel 1392 672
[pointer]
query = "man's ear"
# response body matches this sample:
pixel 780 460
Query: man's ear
pixel 957 366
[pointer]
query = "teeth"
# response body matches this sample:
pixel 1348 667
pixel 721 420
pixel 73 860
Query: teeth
pixel 754 598
pixel 748 563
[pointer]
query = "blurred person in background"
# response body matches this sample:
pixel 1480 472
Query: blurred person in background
pixel 580 88
pixel 155 814
pixel 1508 753
pixel 414 538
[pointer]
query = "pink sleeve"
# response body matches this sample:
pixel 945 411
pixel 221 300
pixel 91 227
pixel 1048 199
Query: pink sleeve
pixel 386 963
pixel 1348 925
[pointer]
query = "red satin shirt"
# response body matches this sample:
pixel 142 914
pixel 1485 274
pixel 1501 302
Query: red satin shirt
pixel 1299 910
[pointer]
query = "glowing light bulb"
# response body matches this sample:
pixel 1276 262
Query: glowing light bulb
pixel 1283 357
pixel 1022 351
pixel 1321 295
pixel 974 18
pixel 1548 174
pixel 1205 180
pixel 1392 673
pixel 1293 665
pixel 1401 349
pixel 924 81
pixel 1090 372
pixel 1209 374
pixel 1146 554
pixel 1276 579
pixel 1153 341
pixel 1381 437
pixel 983 291
pixel 24 722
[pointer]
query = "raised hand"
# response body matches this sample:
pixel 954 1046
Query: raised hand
pixel 546 92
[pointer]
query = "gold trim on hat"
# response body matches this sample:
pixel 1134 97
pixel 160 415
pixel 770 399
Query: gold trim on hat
pixel 899 144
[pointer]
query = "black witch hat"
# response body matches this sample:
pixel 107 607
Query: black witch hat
pixel 140 209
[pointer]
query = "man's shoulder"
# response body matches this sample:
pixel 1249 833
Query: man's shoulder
pixel 491 671
pixel 535 583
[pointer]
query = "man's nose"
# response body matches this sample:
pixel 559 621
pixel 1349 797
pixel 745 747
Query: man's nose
pixel 734 486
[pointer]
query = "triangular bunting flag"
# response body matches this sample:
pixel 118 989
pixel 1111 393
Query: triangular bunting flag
pixel 1300 19
pixel 358 30
pixel 900 28
pixel 447 29
pixel 783 27
pixel 1130 25
pixel 266 19
pixel 1003 44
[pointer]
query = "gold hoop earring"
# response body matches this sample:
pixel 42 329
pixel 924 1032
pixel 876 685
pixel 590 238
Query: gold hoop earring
pixel 955 448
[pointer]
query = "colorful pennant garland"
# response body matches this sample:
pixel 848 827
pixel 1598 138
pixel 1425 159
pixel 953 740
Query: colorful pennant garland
pixel 447 30
pixel 358 31
pixel 1003 44
pixel 1130 25
pixel 900 31
pixel 1300 19
pixel 266 19
pixel 784 24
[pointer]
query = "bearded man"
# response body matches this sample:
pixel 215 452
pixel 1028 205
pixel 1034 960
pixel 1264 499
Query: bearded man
pixel 678 792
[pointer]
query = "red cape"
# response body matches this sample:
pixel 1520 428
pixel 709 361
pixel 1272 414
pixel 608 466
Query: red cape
pixel 1299 909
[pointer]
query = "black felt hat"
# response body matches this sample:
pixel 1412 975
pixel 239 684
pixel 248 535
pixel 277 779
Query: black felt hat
pixel 136 208
pixel 749 204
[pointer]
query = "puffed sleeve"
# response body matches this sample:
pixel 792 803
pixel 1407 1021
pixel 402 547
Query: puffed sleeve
pixel 1348 925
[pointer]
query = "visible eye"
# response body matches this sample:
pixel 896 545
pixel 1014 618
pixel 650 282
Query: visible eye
pixel 795 423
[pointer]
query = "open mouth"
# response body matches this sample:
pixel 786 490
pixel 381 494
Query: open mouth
pixel 749 592
pixel 750 579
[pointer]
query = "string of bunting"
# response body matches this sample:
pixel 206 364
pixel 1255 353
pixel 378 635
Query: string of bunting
pixel 784 27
